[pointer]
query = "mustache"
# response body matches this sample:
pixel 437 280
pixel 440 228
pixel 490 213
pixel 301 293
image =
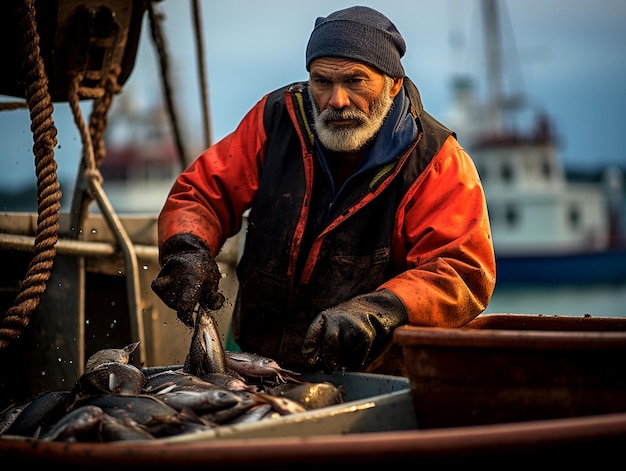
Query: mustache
pixel 347 114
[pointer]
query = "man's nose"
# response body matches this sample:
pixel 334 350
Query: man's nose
pixel 339 98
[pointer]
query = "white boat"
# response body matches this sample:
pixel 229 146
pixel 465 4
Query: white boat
pixel 546 229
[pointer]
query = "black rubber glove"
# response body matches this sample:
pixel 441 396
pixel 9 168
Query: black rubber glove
pixel 189 275
pixel 353 333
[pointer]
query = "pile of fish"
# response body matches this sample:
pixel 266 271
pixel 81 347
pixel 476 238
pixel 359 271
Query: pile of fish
pixel 114 400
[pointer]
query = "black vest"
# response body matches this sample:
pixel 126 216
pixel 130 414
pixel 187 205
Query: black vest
pixel 274 305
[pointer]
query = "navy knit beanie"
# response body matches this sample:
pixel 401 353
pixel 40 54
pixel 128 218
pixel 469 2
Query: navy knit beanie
pixel 358 33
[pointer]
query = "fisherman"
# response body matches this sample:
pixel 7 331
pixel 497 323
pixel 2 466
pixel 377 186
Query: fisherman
pixel 365 212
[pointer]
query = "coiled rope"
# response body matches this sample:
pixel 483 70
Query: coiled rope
pixel 48 188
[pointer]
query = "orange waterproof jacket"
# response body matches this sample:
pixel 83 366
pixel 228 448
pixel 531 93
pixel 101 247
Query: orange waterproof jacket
pixel 417 225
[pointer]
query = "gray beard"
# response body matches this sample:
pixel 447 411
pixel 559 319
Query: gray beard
pixel 339 139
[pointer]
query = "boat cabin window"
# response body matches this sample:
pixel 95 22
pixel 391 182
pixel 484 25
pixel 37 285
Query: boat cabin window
pixel 574 216
pixel 512 216
pixel 506 172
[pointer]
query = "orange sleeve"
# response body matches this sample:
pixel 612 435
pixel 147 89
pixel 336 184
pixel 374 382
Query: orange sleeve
pixel 443 239
pixel 210 196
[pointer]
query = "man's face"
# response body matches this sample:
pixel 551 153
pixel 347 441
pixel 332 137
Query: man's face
pixel 352 100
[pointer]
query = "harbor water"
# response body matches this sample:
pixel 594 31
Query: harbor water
pixel 598 300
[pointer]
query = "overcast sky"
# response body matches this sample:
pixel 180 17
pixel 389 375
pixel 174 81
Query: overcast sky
pixel 570 55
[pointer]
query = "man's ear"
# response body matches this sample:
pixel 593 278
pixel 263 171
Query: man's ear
pixel 397 86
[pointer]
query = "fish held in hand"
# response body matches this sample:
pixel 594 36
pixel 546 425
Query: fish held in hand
pixel 206 352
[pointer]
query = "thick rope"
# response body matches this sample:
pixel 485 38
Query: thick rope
pixel 48 188
pixel 13 105
pixel 99 114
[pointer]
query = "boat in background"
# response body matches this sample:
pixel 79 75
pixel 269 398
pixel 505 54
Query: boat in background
pixel 546 229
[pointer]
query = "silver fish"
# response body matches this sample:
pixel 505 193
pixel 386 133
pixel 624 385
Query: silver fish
pixel 178 379
pixel 107 355
pixel 112 378
pixel 141 409
pixel 210 399
pixel 114 429
pixel 180 424
pixel 41 413
pixel 313 395
pixel 254 414
pixel 74 424
pixel 232 382
pixel 206 353
pixel 9 414
pixel 254 365
pixel 283 405
pixel 222 416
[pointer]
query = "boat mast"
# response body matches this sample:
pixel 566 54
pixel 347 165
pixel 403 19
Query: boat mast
pixel 493 58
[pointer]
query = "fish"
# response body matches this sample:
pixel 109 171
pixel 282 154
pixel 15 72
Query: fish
pixel 150 413
pixel 114 401
pixel 313 395
pixel 122 429
pixel 247 401
pixel 254 414
pixel 10 414
pixel 112 378
pixel 206 352
pixel 141 409
pixel 283 405
pixel 178 379
pixel 76 423
pixel 209 399
pixel 108 355
pixel 167 426
pixel 229 381
pixel 254 365
pixel 41 413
